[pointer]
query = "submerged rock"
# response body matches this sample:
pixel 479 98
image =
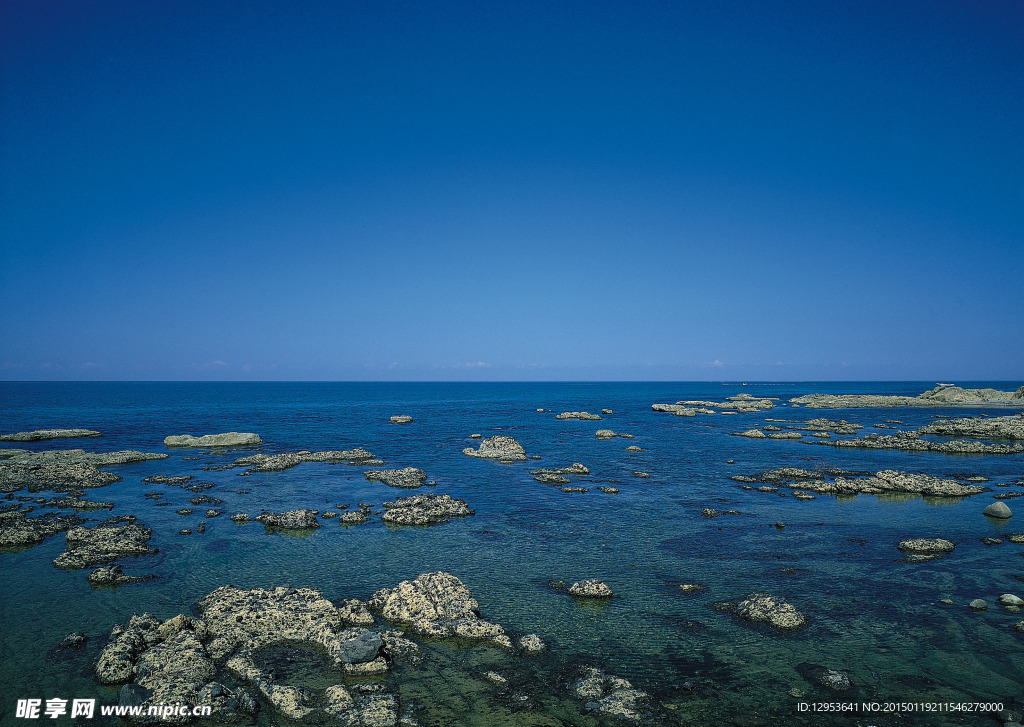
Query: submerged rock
pixel 227 439
pixel 113 575
pixel 409 478
pixel 771 610
pixel 290 520
pixel 74 640
pixel 41 434
pixel 424 510
pixel 103 544
pixel 498 447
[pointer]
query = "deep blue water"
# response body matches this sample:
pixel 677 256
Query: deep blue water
pixel 868 613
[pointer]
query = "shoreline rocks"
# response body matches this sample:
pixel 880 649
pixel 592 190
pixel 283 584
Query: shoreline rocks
pixel 498 447
pixel 226 439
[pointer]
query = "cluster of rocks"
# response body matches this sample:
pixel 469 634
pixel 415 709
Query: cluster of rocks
pixel 287 460
pixel 408 478
pixel 578 415
pixel 499 447
pixel 226 439
pixel 851 483
pixel 424 510
pixel 104 543
pixel 64 470
pixel 289 520
pixel 550 476
pixel 939 396
pixel 187 660
pixel 41 434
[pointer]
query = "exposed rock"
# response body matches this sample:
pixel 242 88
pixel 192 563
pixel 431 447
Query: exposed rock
pixel 290 520
pixel 608 490
pixel 607 411
pixel 608 434
pixel 634 448
pixel 927 546
pixel 240 517
pixel 577 415
pixel 495 678
pixel 610 695
pixel 590 589
pixel 103 544
pixel 355 517
pixel 575 468
pixel 41 434
pixel 679 411
pixel 475 436
pixel 401 419
pixel 287 460
pixel 911 442
pixel 752 434
pixel 112 575
pixel 772 610
pixel 575 489
pixel 17 531
pixel 64 470
pixel 709 512
pixel 227 439
pixel 549 478
pixel 998 510
pixel 1009 427
pixel 531 644
pixel 498 447
pixel 848 483
pixel 1009 599
pixel 978 604
pixel 424 510
pixel 409 478
pixel 691 587
pixel 641 475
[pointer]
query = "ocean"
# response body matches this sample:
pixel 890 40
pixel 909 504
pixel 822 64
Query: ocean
pixel 869 614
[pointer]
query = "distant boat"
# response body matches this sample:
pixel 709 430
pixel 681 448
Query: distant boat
pixel 944 385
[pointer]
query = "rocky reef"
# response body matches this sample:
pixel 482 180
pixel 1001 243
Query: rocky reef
pixel 19 531
pixel 289 520
pixel 226 439
pixel 851 483
pixel 41 434
pixel 498 447
pixel 1011 427
pixel 911 442
pixel 424 510
pixel 939 396
pixel 64 470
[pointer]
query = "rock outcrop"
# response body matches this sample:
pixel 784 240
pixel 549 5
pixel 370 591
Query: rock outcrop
pixel 578 415
pixel 849 483
pixel 64 470
pixel 771 610
pixel 498 447
pixel 939 396
pixel 912 442
pixel 610 695
pixel 590 589
pixel 19 531
pixel 290 520
pixel 1011 427
pixel 287 460
pixel 226 439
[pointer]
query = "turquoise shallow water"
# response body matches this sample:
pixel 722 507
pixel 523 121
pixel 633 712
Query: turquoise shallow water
pixel 835 559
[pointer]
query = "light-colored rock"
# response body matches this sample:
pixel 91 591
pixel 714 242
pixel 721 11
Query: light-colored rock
pixel 771 610
pixel 408 478
pixel 41 434
pixel 498 447
pixel 998 510
pixel 290 520
pixel 424 510
pixel 578 415
pixel 590 589
pixel 227 439
pixel 926 546
pixel 401 419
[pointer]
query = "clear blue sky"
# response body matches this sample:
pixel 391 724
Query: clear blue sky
pixel 500 191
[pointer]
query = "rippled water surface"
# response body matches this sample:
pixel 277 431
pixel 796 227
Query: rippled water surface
pixel 835 559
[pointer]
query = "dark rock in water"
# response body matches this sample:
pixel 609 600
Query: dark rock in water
pixel 113 575
pixel 562 585
pixel 498 447
pixel 551 478
pixel 290 520
pixel 575 489
pixel 424 510
pixel 410 477
pixel 185 531
pixel 836 680
pixel 609 490
pixel 185 511
pixel 74 640
pixel 927 546
pixel 103 544
pixel 201 527
pixel 133 695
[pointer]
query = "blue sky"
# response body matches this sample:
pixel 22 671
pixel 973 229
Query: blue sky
pixel 504 191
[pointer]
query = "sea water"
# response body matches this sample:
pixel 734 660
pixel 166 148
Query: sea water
pixel 869 614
